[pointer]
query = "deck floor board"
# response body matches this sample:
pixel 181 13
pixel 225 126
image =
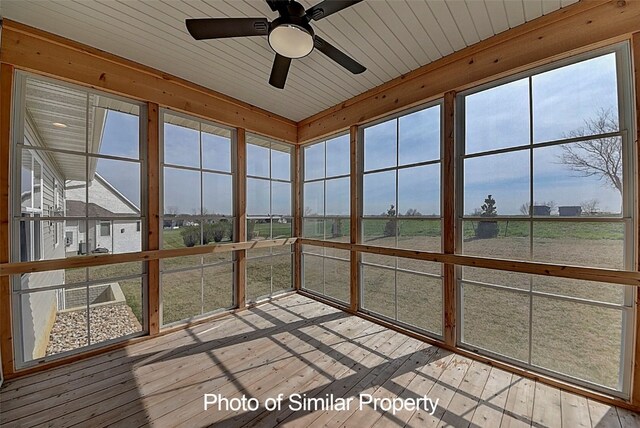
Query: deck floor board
pixel 288 346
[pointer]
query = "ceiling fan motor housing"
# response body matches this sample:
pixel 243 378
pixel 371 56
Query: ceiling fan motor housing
pixel 291 36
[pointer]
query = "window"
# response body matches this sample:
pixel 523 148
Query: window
pixel 401 197
pixel 74 178
pixel 547 175
pixel 30 207
pixel 105 228
pixel 198 185
pixel 25 242
pixel 326 215
pixel 269 216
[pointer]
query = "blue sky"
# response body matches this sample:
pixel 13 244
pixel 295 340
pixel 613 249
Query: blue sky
pixel 499 117
pixel 182 187
pixel 121 138
pixel 496 118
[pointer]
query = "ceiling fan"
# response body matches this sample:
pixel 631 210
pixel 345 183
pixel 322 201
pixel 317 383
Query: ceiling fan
pixel 290 35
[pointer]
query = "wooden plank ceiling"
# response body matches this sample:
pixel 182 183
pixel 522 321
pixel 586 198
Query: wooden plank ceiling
pixel 390 38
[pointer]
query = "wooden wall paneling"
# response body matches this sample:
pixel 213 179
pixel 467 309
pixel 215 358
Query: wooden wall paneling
pixel 241 216
pixel 40 52
pixel 153 214
pixel 558 34
pixel 297 220
pixel 6 330
pixel 635 385
pixel 354 302
pixel 449 218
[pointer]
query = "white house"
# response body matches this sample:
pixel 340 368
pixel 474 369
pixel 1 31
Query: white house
pixel 114 236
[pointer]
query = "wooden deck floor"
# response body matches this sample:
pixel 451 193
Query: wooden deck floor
pixel 292 345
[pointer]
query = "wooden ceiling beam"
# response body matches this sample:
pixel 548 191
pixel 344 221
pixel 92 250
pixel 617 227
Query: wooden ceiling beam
pixel 562 33
pixel 30 49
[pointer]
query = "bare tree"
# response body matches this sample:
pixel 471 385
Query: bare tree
pixel 600 157
pixel 590 207
pixel 172 210
pixel 412 212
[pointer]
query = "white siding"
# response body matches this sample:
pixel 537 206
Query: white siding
pixel 39 309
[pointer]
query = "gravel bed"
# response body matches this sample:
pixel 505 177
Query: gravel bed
pixel 107 322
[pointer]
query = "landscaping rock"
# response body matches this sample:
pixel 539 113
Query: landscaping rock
pixel 107 322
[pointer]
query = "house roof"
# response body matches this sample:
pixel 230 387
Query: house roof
pixel 116 192
pixel 77 209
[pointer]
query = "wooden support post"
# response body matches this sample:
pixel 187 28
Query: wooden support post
pixel 635 385
pixel 6 330
pixel 153 213
pixel 449 219
pixel 355 220
pixel 297 217
pixel 241 216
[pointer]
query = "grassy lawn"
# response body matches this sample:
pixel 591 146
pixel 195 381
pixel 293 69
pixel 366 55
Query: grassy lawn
pixel 268 275
pixel 569 337
pixel 199 290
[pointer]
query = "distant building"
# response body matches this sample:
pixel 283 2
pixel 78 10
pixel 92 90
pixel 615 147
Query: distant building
pixel 570 211
pixel 541 210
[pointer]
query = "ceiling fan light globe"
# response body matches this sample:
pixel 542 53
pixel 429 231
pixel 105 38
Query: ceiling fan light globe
pixel 291 41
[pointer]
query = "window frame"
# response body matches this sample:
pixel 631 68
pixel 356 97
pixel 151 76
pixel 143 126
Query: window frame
pixel 200 170
pixel 360 148
pixel 627 217
pixel 271 217
pixel 102 228
pixel 35 234
pixel 19 144
pixel 324 178
pixel 201 217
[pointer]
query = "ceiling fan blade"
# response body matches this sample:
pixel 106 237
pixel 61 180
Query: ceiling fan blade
pixel 279 71
pixel 219 28
pixel 338 56
pixel 277 4
pixel 328 7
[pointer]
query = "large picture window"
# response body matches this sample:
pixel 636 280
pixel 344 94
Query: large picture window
pixel 269 216
pixel 78 168
pixel 547 175
pixel 198 186
pixel 326 216
pixel 401 200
